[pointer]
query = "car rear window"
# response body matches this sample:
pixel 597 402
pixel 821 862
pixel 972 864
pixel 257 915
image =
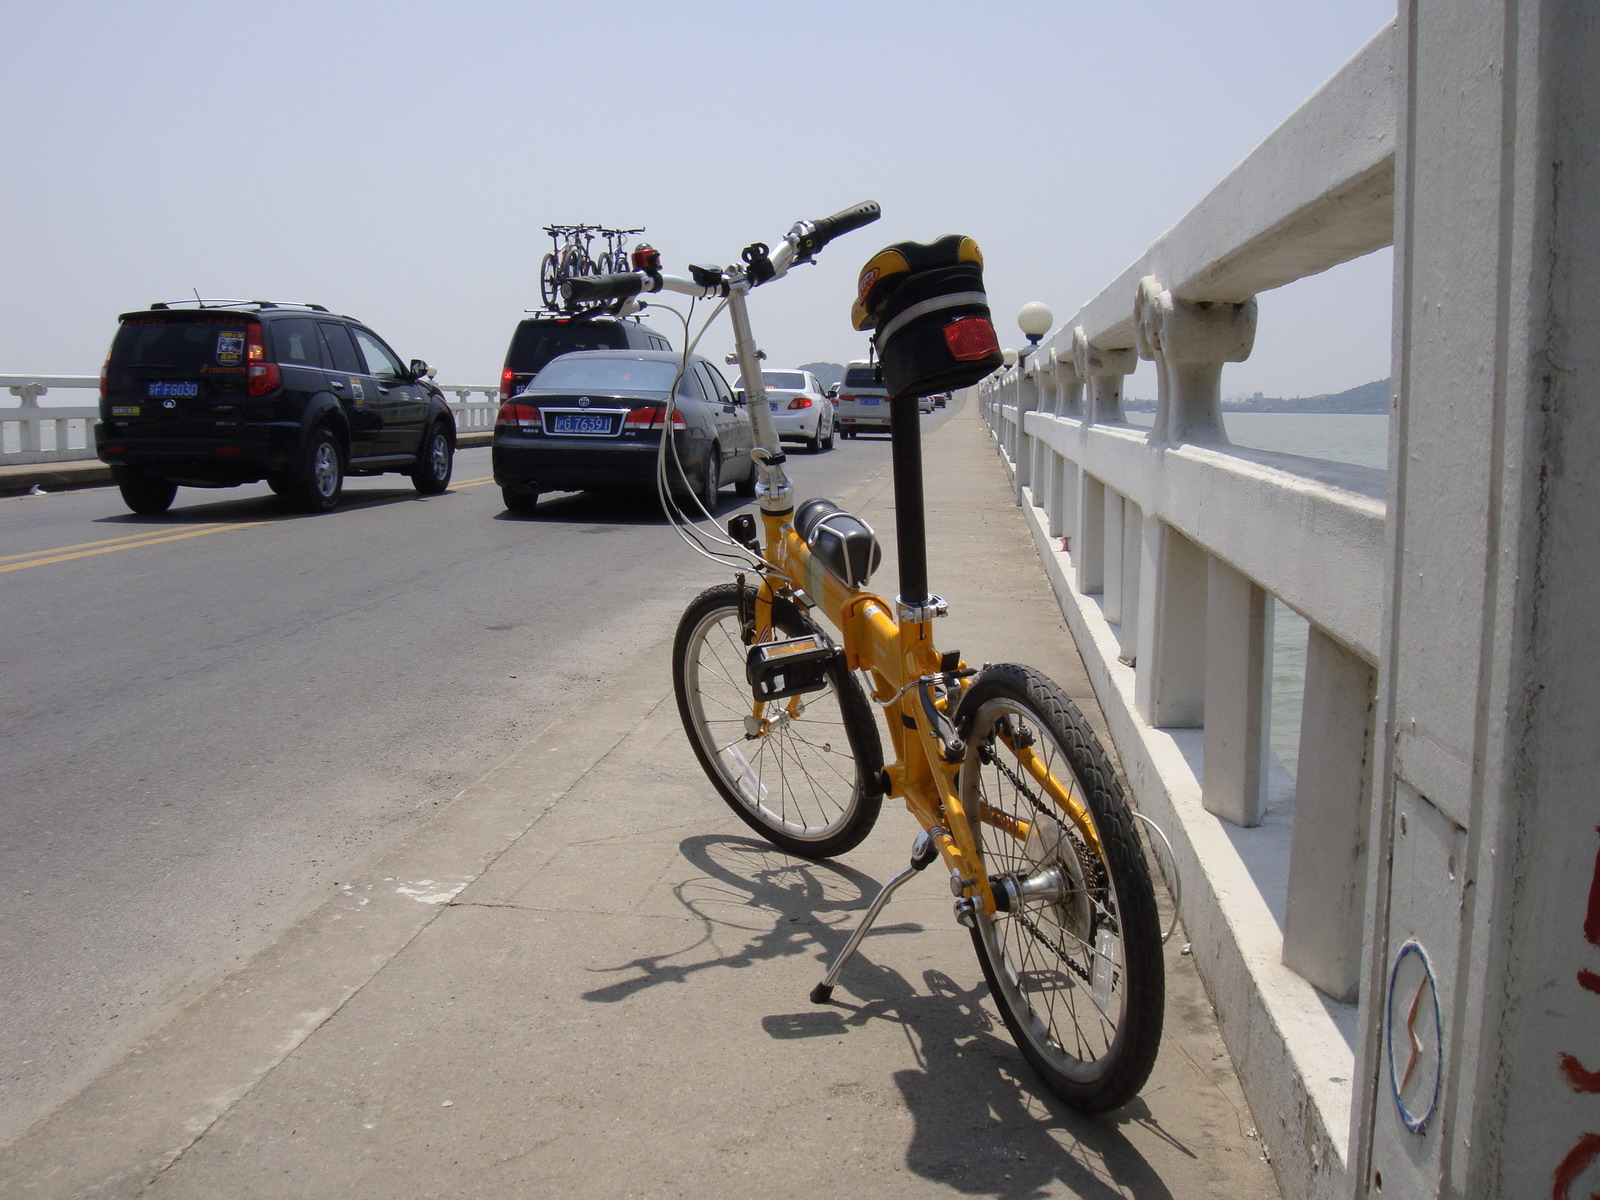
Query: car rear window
pixel 537 342
pixel 189 344
pixel 784 379
pixel 859 377
pixel 601 373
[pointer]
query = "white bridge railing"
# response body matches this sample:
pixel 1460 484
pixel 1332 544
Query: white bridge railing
pixel 1166 549
pixel 63 432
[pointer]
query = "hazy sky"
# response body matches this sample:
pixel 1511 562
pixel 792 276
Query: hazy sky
pixel 397 160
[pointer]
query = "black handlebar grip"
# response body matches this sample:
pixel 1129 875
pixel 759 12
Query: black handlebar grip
pixel 828 228
pixel 602 287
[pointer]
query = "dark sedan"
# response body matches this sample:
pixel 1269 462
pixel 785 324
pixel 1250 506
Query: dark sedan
pixel 592 421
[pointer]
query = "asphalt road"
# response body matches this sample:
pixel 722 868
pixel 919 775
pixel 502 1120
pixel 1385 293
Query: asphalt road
pixel 211 716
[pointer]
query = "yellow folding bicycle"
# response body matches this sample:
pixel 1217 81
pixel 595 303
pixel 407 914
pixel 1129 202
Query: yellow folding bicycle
pixel 1014 794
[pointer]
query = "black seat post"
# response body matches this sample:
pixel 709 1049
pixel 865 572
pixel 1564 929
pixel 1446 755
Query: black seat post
pixel 911 529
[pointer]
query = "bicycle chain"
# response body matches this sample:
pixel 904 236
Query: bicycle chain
pixel 1085 858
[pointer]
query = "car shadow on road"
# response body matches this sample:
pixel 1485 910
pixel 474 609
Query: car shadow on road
pixel 240 510
pixel 969 1078
pixel 610 508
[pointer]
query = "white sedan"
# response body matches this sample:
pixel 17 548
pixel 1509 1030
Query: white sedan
pixel 801 412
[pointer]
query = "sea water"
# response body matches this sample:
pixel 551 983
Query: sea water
pixel 1359 438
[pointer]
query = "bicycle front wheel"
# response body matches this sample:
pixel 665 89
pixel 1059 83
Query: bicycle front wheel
pixel 1072 953
pixel 802 771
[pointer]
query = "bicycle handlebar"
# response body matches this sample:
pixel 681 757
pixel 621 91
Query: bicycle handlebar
pixel 806 239
pixel 828 228
pixel 585 288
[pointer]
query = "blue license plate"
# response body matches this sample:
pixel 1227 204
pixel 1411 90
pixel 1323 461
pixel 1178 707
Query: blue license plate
pixel 157 390
pixel 579 423
pixel 869 399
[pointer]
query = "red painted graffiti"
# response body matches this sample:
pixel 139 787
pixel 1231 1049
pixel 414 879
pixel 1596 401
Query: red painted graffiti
pixel 1580 1077
pixel 1578 1158
pixel 1591 923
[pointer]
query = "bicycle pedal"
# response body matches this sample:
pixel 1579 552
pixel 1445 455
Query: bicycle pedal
pixel 791 667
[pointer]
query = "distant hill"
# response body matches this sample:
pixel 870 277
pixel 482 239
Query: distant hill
pixel 1368 398
pixel 827 374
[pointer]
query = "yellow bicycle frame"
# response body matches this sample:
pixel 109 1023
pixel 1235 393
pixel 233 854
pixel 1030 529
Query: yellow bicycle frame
pixel 896 652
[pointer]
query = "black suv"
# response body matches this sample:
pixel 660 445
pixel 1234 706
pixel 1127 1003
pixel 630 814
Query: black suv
pixel 229 391
pixel 537 340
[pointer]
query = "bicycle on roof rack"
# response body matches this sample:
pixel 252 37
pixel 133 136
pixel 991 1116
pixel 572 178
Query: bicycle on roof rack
pixel 1012 789
pixel 615 257
pixel 568 258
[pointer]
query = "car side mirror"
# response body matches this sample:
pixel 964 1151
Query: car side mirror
pixel 420 369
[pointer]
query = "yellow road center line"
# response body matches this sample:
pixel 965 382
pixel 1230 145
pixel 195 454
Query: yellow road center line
pixel 44 558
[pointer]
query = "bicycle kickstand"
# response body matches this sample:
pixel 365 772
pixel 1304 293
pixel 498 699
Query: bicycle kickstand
pixel 922 853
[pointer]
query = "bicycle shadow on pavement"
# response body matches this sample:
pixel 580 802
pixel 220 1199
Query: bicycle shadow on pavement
pixel 778 902
pixel 970 1078
pixel 983 1124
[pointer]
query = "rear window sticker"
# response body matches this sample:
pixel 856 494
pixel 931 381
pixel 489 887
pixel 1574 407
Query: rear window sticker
pixel 230 348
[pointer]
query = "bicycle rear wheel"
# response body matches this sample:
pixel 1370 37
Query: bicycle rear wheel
pixel 803 771
pixel 1073 951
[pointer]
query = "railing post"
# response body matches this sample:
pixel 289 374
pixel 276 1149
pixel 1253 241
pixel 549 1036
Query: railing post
pixel 1027 401
pixel 1189 341
pixel 30 439
pixel 1171 630
pixel 1238 694
pixel 1322 926
pixel 1103 371
pixel 1063 515
pixel 1089 538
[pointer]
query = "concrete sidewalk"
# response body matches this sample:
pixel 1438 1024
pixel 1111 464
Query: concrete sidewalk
pixel 586 978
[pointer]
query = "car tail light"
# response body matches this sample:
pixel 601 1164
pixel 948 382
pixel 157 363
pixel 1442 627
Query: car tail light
pixel 263 376
pixel 800 402
pixel 651 416
pixel 516 415
pixel 508 384
pixel 846 396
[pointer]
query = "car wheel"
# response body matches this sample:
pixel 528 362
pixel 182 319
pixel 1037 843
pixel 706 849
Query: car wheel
pixel 519 502
pixel 319 478
pixel 746 487
pixel 711 479
pixel 435 463
pixel 148 496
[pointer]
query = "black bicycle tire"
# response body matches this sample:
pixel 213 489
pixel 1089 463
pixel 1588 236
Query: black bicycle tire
pixel 862 745
pixel 549 281
pixel 1111 1079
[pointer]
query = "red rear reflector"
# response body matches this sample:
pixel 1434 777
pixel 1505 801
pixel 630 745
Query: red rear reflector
pixel 971 338
pixel 508 383
pixel 225 450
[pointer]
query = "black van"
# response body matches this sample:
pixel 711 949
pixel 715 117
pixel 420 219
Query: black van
pixel 537 340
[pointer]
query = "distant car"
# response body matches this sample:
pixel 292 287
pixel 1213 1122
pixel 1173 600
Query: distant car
pixel 925 404
pixel 800 411
pixel 216 393
pixel 940 400
pixel 833 394
pixel 592 421
pixel 863 401
pixel 538 339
